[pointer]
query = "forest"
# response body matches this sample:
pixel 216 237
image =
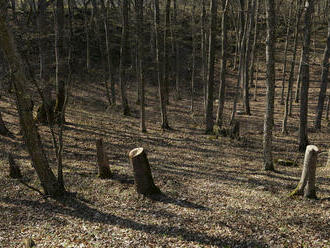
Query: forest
pixel 174 123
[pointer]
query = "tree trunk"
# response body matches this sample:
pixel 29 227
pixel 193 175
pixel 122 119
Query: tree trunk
pixel 42 41
pixel 250 25
pixel 124 57
pixel 303 138
pixel 161 88
pixel 211 57
pixel 223 70
pixel 203 50
pixel 144 183
pixel 139 27
pixel 286 51
pixel 288 99
pixel 298 83
pixel 24 103
pixel 256 81
pixel 324 79
pixel 193 70
pixel 102 161
pixel 166 50
pixel 176 51
pixel 327 110
pixel 270 85
pixel 307 180
pixel 241 48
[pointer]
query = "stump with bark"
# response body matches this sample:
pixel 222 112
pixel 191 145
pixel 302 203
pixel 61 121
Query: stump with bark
pixel 102 161
pixel 235 130
pixel 14 170
pixel 3 129
pixel 144 183
pixel 306 184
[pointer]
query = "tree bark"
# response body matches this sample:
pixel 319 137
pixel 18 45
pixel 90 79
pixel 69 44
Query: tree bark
pixel 161 88
pixel 303 137
pixel 270 85
pixel 166 50
pixel 307 180
pixel 223 70
pixel 139 27
pixel 288 99
pixel 24 103
pixel 193 71
pixel 124 57
pixel 144 183
pixel 211 57
pixel 176 51
pixel 102 161
pixel 203 50
pixel 286 52
pixel 324 79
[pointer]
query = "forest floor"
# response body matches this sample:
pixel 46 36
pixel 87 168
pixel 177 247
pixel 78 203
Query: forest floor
pixel 216 193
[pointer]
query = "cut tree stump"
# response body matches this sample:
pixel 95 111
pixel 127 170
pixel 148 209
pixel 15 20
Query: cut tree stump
pixel 3 129
pixel 14 170
pixel 144 183
pixel 102 161
pixel 306 184
pixel 235 130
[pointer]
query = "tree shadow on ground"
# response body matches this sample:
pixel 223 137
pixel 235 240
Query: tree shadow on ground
pixel 74 207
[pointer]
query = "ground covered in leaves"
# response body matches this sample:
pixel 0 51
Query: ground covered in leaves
pixel 216 193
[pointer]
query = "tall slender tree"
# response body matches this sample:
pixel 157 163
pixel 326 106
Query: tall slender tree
pixel 166 50
pixel 24 105
pixel 223 70
pixel 324 79
pixel 139 27
pixel 211 57
pixel 161 88
pixel 124 57
pixel 270 85
pixel 303 136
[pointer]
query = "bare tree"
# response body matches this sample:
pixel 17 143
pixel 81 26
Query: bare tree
pixel 211 57
pixel 24 106
pixel 303 138
pixel 270 85
pixel 124 57
pixel 324 79
pixel 224 54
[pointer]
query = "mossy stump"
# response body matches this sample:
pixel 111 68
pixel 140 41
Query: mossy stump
pixel 14 170
pixel 144 183
pixel 102 161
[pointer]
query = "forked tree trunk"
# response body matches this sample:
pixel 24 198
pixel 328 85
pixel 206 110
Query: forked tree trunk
pixel 306 184
pixel 144 183
pixel 102 161
pixel 14 170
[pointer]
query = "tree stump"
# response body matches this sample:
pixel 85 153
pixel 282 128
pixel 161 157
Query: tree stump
pixel 3 129
pixel 14 170
pixel 235 129
pixel 144 183
pixel 102 161
pixel 306 184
